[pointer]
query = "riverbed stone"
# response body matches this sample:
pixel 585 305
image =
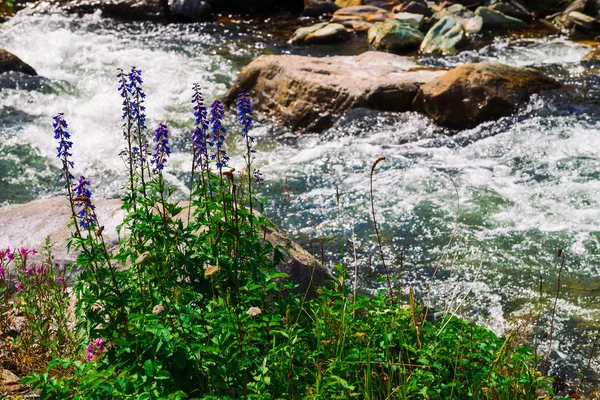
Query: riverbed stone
pixel 134 10
pixel 470 22
pixel 27 225
pixel 318 8
pixel 414 7
pixel 593 55
pixel 473 93
pixel 385 4
pixel 445 37
pixel 310 93
pixel 584 22
pixel 410 19
pixel 394 36
pixel 360 18
pixel 323 32
pixel 511 9
pixel 495 20
pixel 9 62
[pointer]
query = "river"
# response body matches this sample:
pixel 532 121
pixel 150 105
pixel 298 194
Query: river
pixel 488 207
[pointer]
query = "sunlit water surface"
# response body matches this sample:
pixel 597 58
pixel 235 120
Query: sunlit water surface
pixel 487 208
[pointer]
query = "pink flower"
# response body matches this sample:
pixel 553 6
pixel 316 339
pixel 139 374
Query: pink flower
pixel 38 270
pixel 19 287
pixel 60 280
pixel 28 271
pixel 90 356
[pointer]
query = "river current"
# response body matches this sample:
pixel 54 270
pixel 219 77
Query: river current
pixel 487 207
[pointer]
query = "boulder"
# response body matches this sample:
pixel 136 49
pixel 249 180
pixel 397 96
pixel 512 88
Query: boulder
pixel 584 22
pixel 470 22
pixel 414 7
pixel 360 18
pixel 410 19
pixel 317 8
pixel 191 10
pixel 473 93
pixel 394 36
pixel 514 10
pixel 493 19
pixel 309 93
pixel 27 225
pixel 444 37
pixel 9 62
pixel 324 32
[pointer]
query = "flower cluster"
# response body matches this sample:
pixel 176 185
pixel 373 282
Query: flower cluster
pixel 95 349
pixel 199 136
pixel 258 177
pixel 6 256
pixel 137 108
pixel 134 113
pixel 64 145
pixel 86 213
pixel 254 311
pixel 244 114
pixel 162 150
pixel 218 139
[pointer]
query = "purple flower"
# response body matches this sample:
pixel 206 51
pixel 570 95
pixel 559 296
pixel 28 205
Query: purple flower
pixel 64 145
pixel 134 85
pixel 19 287
pixel 217 113
pixel 86 214
pixel 162 150
pixel 244 114
pixel 38 270
pixel 28 271
pixel 199 136
pixel 60 280
pixel 99 343
pixel 258 177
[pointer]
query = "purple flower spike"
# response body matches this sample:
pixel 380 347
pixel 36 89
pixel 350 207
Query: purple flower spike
pixel 200 135
pixel 86 213
pixel 64 145
pixel 258 177
pixel 162 150
pixel 217 113
pixel 244 114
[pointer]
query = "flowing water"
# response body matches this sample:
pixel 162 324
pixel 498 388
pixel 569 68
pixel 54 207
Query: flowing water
pixel 486 208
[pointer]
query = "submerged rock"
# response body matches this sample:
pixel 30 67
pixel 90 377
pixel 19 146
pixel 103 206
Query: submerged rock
pixel 360 18
pixel 473 93
pixel 27 225
pixel 308 93
pixel 593 55
pixel 493 19
pixel 324 32
pixel 444 37
pixel 394 36
pixel 9 62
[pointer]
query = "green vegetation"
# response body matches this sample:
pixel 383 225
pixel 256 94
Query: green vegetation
pixel 192 306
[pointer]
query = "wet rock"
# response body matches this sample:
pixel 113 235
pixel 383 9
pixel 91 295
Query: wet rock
pixel 511 9
pixel 324 32
pixel 385 4
pixel 135 10
pixel 317 8
pixel 593 55
pixel 413 20
pixel 444 37
pixel 191 10
pixel 493 19
pixel 9 62
pixel 470 22
pixel 394 36
pixel 473 93
pixel 27 225
pixel 584 22
pixel 360 18
pixel 414 7
pixel 308 93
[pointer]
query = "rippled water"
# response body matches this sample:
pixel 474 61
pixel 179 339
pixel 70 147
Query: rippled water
pixel 488 207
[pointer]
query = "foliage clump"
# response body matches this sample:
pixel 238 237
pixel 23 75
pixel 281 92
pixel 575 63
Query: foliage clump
pixel 191 305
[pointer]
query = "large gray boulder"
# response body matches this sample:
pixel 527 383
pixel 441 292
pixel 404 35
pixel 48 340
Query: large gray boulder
pixel 445 37
pixel 473 93
pixel 9 62
pixel 27 225
pixel 310 94
pixel 394 36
